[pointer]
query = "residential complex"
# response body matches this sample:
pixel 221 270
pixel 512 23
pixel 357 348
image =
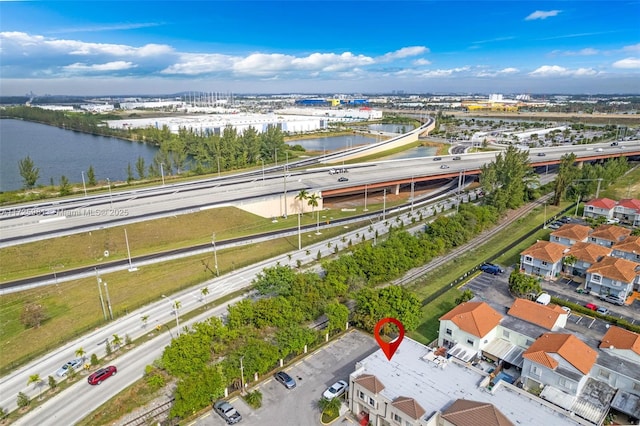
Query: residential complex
pixel 493 369
pixel 605 259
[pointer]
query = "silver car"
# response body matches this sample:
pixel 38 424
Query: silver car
pixel 75 363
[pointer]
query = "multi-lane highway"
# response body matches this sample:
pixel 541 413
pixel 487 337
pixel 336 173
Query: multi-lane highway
pixel 80 214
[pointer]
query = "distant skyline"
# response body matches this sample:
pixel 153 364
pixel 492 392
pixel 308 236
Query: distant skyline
pixel 159 47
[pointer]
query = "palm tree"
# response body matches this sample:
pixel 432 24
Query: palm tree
pixel 117 341
pixel 144 320
pixel 204 291
pixel 80 353
pixel 313 202
pixel 302 195
pixel 35 378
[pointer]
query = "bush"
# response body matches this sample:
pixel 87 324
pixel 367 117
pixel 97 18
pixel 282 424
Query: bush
pixel 254 399
pixel 23 400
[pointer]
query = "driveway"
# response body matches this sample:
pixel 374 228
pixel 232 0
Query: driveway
pixel 313 375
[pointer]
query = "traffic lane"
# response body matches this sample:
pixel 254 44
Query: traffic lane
pixel 313 375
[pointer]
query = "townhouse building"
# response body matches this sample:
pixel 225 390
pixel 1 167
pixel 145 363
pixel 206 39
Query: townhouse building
pixel 629 249
pixel 580 257
pixel 628 211
pixel 570 233
pixel 608 235
pixel 543 259
pixel 599 207
pixel 612 276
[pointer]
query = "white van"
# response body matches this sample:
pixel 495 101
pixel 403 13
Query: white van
pixel 544 299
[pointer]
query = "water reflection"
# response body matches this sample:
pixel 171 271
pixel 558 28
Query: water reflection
pixel 420 151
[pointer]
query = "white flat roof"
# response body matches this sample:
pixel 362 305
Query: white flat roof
pixel 435 386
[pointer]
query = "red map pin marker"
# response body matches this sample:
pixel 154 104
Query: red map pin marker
pixel 389 348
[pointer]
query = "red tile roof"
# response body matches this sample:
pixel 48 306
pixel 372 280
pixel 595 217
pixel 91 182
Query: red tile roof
pixel 588 252
pixel 620 338
pixel 630 203
pixel 602 203
pixel 477 318
pixel 631 244
pixel 572 231
pixel 568 346
pixel 535 313
pixel 610 233
pixel 473 413
pixel 370 383
pixel 546 250
pixel 616 269
pixel 409 406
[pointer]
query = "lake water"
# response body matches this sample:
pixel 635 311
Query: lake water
pixel 57 152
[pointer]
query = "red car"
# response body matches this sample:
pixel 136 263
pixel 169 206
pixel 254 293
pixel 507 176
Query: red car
pixel 591 306
pixel 102 374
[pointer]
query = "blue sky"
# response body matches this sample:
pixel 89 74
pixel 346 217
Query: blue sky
pixel 162 47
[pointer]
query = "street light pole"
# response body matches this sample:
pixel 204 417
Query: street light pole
pixel 162 172
pixel 262 170
pixel 174 305
pixel 299 233
pixel 365 199
pixel 84 185
pixel 99 280
pixel 215 253
pixel 106 290
pixel 384 204
pixel 412 185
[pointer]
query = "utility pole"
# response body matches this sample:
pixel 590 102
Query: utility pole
pixel 104 312
pixel 106 291
pixel 215 253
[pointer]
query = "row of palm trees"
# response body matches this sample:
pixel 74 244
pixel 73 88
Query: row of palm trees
pixel 312 200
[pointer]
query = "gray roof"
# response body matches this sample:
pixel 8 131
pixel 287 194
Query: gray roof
pixel 435 385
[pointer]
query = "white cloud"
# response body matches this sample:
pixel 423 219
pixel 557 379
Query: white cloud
pixel 405 52
pixel 587 51
pixel 421 62
pixel 558 71
pixel 502 72
pixel 509 70
pixel 627 63
pixel 541 14
pixel 632 48
pixel 109 66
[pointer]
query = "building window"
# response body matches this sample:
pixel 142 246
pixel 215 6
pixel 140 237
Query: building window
pixel 396 418
pixel 372 402
pixel 361 395
pixel 528 259
pixel 544 263
pixel 593 239
pixel 604 374
pixel 595 278
pixel 470 341
pixel 536 371
pixel 567 384
pixel 556 238
pixel 449 332
pixel 505 333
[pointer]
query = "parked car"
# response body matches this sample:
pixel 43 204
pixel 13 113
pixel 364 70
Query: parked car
pixel 227 412
pixel 490 268
pixel 102 374
pixel 612 299
pixel 75 363
pixel 613 221
pixel 602 310
pixel 336 389
pixel 591 306
pixel 343 179
pixel 285 379
pixel 566 309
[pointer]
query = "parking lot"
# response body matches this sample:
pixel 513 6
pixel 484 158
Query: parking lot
pixel 494 289
pixel 313 375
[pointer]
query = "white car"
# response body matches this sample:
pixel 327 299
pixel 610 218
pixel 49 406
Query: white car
pixel 336 389
pixel 75 363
